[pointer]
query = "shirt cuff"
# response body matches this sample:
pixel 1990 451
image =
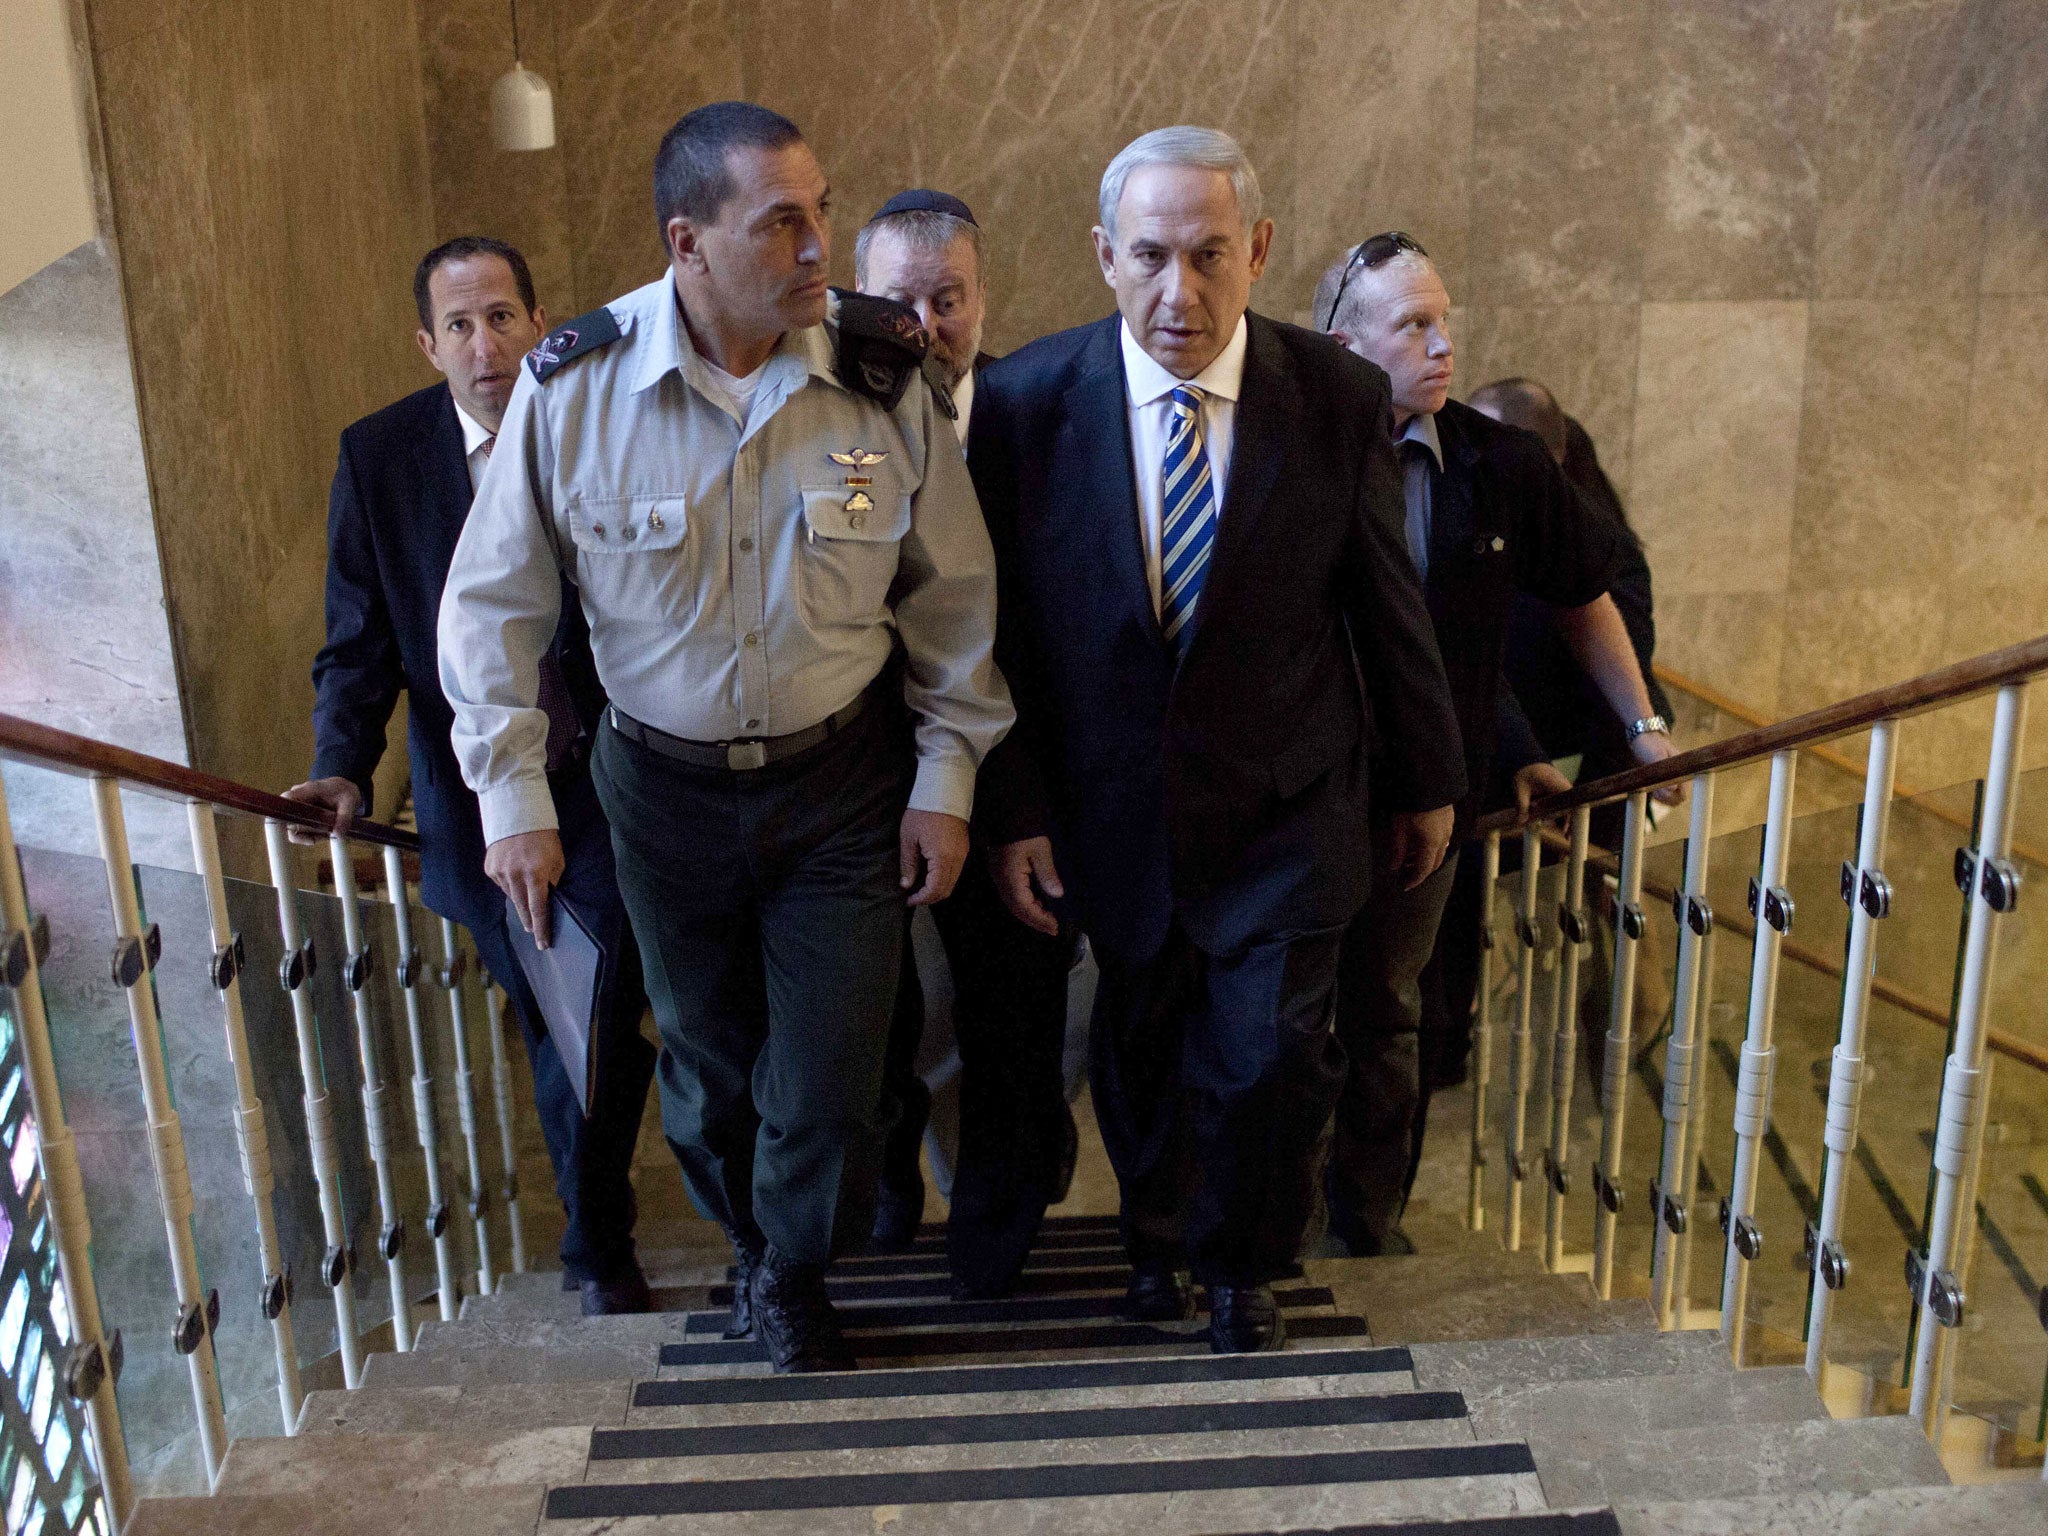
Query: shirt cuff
pixel 944 784
pixel 518 805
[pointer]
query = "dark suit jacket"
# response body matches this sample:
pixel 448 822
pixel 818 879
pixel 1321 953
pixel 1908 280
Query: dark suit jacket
pixel 1565 713
pixel 400 497
pixel 1503 521
pixel 1227 788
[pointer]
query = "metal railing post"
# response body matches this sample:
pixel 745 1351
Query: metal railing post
pixel 1695 917
pixel 135 956
pixel 1482 1034
pixel 1520 1067
pixel 1564 1047
pixel 426 1119
pixel 507 1105
pixel 252 1136
pixel 450 977
pixel 1992 886
pixel 1621 1013
pixel 376 1092
pixel 295 975
pixel 1771 903
pixel 90 1361
pixel 1869 895
pixel 1696 1123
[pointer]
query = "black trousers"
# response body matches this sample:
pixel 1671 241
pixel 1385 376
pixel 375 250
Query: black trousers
pixel 1381 1012
pixel 1017 1139
pixel 592 1158
pixel 770 927
pixel 1213 1077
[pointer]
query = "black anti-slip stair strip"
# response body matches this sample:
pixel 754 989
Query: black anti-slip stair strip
pixel 599 1501
pixel 1004 1341
pixel 1027 1376
pixel 908 1287
pixel 864 1266
pixel 1006 1309
pixel 999 1428
pixel 1585 1522
pixel 934 1241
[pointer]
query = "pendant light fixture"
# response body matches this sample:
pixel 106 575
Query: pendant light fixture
pixel 522 106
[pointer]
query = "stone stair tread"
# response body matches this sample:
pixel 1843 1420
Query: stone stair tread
pixel 480 1408
pixel 1983 1509
pixel 1477 1365
pixel 1005 1311
pixel 1547 1522
pixel 1644 1404
pixel 1405 1302
pixel 503 1511
pixel 578 1332
pixel 1163 1497
pixel 1035 1430
pixel 501 1363
pixel 938 1286
pixel 561 1306
pixel 449 1458
pixel 1720 1461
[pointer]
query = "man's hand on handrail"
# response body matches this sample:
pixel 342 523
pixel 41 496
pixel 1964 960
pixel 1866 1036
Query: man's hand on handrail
pixel 1654 747
pixel 1536 781
pixel 337 795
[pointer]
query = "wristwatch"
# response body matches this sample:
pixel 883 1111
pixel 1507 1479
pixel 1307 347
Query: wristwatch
pixel 1649 725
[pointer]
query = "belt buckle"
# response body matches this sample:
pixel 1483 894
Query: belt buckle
pixel 743 755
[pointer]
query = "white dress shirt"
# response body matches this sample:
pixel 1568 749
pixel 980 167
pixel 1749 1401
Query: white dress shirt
pixel 963 402
pixel 1147 391
pixel 475 437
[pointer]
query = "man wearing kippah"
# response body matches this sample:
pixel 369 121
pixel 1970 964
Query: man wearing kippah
pixel 1016 1135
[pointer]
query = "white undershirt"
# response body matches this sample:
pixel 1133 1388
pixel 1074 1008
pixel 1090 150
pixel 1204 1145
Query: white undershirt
pixel 739 393
pixel 963 402
pixel 1147 388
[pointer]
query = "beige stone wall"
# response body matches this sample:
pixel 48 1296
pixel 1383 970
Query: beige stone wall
pixel 266 168
pixel 1788 259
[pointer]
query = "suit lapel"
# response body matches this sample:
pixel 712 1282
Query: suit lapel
pixel 1451 526
pixel 1267 401
pixel 445 492
pixel 1093 471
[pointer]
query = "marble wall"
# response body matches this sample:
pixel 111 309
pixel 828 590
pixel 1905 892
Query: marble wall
pixel 1787 259
pixel 267 174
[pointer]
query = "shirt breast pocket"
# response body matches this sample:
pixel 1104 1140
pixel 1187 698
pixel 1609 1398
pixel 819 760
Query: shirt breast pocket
pixel 851 540
pixel 635 558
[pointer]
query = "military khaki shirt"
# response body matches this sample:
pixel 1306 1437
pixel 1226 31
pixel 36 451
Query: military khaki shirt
pixel 741 578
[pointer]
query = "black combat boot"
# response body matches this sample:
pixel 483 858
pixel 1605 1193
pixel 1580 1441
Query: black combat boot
pixel 794 1317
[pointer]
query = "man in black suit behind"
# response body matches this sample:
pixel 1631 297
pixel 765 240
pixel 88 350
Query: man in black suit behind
pixel 401 494
pixel 1197 523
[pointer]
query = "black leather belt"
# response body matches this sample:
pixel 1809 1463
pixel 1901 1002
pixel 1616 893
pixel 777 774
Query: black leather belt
pixel 742 755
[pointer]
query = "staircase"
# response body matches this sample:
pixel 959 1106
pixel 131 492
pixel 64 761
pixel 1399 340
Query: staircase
pixel 1458 1391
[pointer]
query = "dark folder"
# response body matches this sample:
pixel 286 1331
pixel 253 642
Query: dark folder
pixel 567 979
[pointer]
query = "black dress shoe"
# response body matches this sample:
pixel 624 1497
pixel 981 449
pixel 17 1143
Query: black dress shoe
pixel 1244 1320
pixel 741 1324
pixel 623 1293
pixel 794 1317
pixel 1157 1294
pixel 899 1212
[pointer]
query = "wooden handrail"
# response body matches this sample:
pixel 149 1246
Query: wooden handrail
pixel 1945 686
pixel 49 747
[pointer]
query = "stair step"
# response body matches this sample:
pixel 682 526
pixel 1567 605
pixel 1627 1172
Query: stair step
pixel 1042 1282
pixel 1479 1366
pixel 1158 1496
pixel 1549 1522
pixel 1723 1461
pixel 1043 1422
pixel 461 1459
pixel 870 1265
pixel 504 1364
pixel 966 1388
pixel 1005 1309
pixel 443 1511
pixel 1985 1509
pixel 1406 1299
pixel 1644 1404
pixel 483 1408
pixel 1009 1341
pixel 578 1332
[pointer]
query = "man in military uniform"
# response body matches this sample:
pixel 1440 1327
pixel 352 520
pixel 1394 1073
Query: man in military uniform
pixel 758 496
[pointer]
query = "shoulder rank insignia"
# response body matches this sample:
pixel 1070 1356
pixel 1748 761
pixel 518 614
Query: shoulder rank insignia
pixel 942 388
pixel 586 333
pixel 881 346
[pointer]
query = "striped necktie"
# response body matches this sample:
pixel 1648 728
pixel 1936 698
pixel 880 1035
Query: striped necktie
pixel 1187 531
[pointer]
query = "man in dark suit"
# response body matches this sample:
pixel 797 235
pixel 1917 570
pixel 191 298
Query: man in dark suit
pixel 1487 515
pixel 1197 522
pixel 1017 1142
pixel 401 495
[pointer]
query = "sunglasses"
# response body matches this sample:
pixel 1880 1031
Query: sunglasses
pixel 1371 254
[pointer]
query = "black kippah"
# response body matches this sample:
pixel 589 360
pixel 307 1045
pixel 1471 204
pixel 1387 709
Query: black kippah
pixel 922 200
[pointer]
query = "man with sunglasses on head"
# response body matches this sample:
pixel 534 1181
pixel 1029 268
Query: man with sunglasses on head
pixel 1488 514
